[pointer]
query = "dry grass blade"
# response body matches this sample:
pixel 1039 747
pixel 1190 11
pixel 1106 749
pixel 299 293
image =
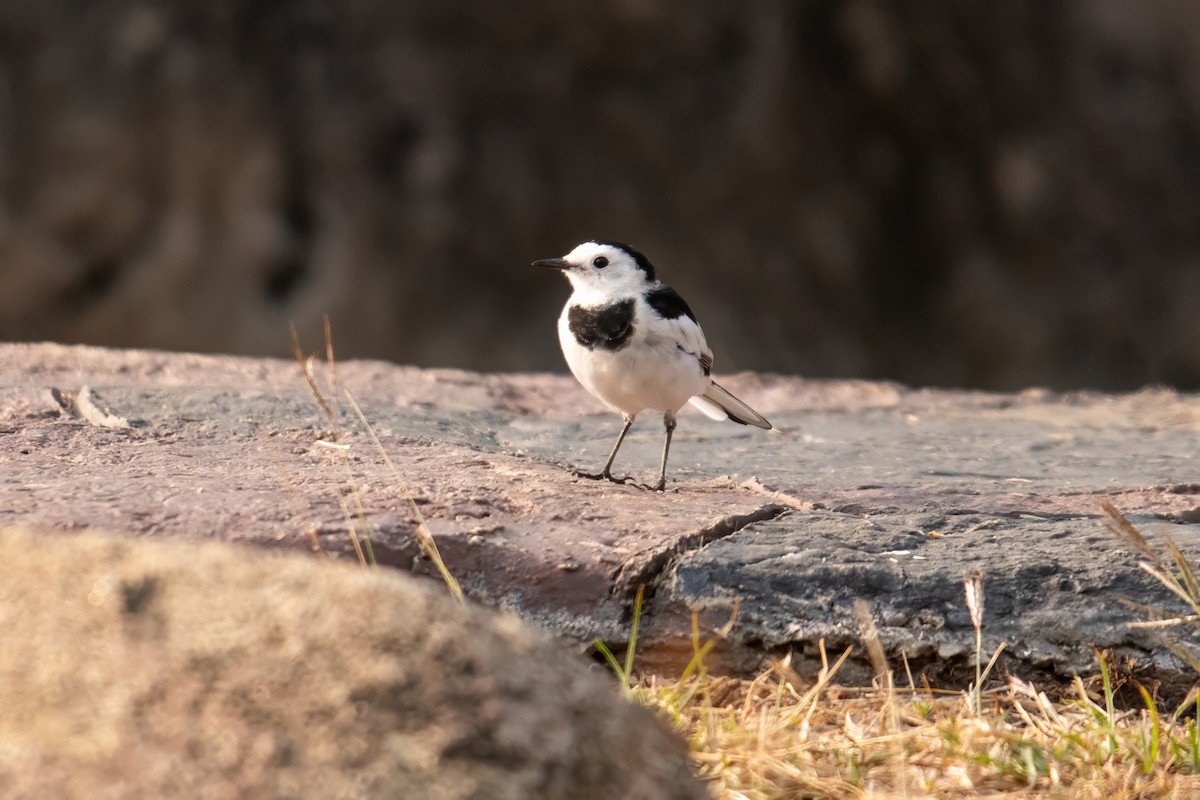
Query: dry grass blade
pixel 1190 619
pixel 351 530
pixel 1174 573
pixel 824 677
pixel 362 543
pixel 1126 532
pixel 1161 613
pixel 334 411
pixel 872 644
pixel 755 485
pixel 973 592
pixel 890 712
pixel 1187 576
pixel 298 504
pixel 306 369
pixel 361 515
pixel 1168 580
pixel 330 410
pixel 425 538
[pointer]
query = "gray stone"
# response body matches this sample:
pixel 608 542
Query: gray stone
pixel 1052 589
pixel 874 491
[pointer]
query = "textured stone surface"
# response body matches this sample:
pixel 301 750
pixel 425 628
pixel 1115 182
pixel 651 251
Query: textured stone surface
pixel 998 194
pixel 133 669
pixel 873 491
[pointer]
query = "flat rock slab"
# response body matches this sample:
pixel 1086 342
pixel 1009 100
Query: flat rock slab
pixel 874 491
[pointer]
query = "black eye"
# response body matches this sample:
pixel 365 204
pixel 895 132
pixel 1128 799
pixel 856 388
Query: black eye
pixel 599 262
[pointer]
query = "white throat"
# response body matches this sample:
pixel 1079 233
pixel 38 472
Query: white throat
pixel 597 290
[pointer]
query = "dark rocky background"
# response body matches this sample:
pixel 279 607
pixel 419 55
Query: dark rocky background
pixel 982 194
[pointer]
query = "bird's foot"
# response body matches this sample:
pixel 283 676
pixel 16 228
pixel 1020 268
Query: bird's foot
pixel 625 480
pixel 661 486
pixel 601 476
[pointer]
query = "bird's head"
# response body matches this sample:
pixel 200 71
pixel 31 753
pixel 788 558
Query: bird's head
pixel 608 269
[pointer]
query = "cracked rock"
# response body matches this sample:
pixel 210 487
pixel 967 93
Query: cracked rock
pixel 877 492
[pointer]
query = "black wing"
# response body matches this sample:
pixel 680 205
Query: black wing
pixel 667 303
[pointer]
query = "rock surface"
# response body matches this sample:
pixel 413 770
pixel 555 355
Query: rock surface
pixel 134 669
pixel 874 491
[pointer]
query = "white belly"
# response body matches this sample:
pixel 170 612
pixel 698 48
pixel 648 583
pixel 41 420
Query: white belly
pixel 645 374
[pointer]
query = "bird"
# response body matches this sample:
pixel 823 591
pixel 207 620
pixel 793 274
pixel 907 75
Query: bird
pixel 635 344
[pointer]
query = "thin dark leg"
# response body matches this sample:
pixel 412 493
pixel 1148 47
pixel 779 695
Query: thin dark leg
pixel 607 473
pixel 669 421
pixel 612 456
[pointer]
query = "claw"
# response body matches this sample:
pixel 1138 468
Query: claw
pixel 601 476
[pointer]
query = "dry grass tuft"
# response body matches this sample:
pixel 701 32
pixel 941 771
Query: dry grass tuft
pixel 1174 572
pixel 778 736
pixel 348 488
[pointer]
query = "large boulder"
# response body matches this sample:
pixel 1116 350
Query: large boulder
pixel 133 668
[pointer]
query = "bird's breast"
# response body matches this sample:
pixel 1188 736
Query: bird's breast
pixel 614 351
pixel 606 327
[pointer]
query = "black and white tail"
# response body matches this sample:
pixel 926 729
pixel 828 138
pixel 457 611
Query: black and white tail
pixel 720 404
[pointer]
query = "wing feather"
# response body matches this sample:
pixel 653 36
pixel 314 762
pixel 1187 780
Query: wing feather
pixel 682 324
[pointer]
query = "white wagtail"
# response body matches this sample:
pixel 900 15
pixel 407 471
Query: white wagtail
pixel 633 342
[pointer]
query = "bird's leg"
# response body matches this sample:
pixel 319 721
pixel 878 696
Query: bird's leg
pixel 606 474
pixel 669 421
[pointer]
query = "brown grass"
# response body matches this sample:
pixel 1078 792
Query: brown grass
pixel 349 496
pixel 779 736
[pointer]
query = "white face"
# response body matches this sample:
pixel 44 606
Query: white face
pixel 602 269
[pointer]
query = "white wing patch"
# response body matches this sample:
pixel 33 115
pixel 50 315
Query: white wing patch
pixel 690 339
pixel 674 321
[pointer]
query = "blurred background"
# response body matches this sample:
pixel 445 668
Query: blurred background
pixel 994 195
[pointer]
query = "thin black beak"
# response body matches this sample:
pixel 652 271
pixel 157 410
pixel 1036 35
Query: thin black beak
pixel 556 263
